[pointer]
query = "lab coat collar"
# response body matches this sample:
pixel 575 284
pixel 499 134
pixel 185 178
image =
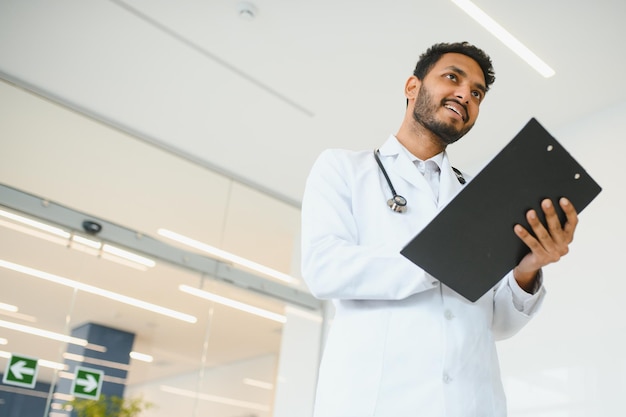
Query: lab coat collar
pixel 400 161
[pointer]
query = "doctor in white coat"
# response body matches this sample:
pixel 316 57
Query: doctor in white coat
pixel 401 344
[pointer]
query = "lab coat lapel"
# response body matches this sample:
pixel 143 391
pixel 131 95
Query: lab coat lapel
pixel 449 185
pixel 396 160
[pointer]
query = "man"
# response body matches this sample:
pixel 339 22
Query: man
pixel 401 344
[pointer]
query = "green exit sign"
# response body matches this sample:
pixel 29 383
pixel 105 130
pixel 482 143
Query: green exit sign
pixel 87 383
pixel 21 371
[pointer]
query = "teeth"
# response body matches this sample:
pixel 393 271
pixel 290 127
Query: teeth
pixel 454 110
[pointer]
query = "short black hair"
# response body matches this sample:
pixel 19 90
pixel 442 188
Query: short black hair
pixel 429 58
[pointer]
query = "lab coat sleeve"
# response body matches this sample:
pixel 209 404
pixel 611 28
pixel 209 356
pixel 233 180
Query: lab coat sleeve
pixel 513 308
pixel 335 264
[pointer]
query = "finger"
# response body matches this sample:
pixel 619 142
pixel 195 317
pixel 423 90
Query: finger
pixel 552 219
pixel 540 231
pixel 526 237
pixel 571 215
pixel 537 252
pixel 552 246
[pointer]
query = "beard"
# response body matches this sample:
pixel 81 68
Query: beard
pixel 424 113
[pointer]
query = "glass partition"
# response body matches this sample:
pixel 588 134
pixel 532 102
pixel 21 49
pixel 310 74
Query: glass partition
pixel 83 319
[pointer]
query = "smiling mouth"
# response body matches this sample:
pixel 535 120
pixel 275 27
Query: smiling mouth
pixel 458 109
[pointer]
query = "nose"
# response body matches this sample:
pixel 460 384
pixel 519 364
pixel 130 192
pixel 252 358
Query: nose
pixel 463 93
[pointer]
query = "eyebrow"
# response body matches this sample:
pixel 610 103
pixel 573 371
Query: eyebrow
pixel 464 74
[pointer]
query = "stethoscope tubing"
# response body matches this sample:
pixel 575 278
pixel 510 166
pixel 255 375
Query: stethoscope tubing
pixel 396 203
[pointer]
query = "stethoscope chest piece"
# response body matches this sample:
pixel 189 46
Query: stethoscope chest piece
pixel 397 203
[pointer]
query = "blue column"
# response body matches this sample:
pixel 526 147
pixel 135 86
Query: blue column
pixel 114 361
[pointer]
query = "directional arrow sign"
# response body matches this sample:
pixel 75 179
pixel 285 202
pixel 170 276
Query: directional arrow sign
pixel 87 383
pixel 21 371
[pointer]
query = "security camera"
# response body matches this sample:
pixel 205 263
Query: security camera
pixel 92 227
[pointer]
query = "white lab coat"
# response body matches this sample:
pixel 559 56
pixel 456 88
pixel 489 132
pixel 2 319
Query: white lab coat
pixel 401 344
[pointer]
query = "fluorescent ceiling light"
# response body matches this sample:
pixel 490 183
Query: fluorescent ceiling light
pixel 105 378
pixel 62 397
pixel 33 232
pixel 232 303
pixel 103 362
pixel 258 384
pixel 141 357
pixel 50 364
pixel 83 244
pixel 43 333
pixel 293 311
pixel 505 37
pixel 98 291
pixel 46 364
pixel 95 361
pixel 226 255
pixel 214 398
pixel 94 244
pixel 37 225
pixel 12 311
pixel 128 255
pixel 8 307
pixel 19 316
pixel 3 341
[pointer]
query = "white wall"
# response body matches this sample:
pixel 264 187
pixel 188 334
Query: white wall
pixel 571 360
pixel 297 369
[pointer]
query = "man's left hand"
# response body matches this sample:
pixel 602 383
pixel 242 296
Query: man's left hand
pixel 549 243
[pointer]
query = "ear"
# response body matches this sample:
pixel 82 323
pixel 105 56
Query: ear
pixel 412 87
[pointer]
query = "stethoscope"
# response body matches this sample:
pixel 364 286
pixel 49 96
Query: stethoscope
pixel 397 203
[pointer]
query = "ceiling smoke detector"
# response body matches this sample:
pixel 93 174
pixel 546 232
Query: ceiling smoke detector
pixel 247 11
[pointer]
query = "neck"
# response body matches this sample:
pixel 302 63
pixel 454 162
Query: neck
pixel 418 140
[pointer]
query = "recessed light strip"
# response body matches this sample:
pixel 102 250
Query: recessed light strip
pixel 8 307
pixel 43 333
pixel 19 316
pixel 505 37
pixel 95 361
pixel 234 304
pixel 98 291
pixel 214 398
pixel 43 362
pixel 75 241
pixel 113 250
pixel 258 384
pixel 225 255
pixel 143 357
pixel 37 225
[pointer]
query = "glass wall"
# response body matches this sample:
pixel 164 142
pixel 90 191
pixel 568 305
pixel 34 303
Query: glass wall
pixel 190 351
pixel 84 318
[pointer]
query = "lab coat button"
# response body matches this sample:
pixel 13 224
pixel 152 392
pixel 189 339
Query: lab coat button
pixel 446 379
pixel 448 315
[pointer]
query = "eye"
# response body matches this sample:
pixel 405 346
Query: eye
pixel 477 95
pixel 451 77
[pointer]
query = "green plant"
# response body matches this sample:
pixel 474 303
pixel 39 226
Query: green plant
pixel 111 406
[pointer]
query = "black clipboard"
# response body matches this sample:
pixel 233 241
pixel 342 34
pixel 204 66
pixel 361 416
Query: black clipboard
pixel 470 245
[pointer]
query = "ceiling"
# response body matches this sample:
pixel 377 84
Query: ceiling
pixel 258 99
